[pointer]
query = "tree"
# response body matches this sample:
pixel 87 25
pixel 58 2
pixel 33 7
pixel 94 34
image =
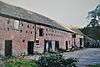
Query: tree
pixel 93 28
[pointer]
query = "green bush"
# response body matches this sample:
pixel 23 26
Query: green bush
pixel 20 63
pixel 56 60
pixel 95 65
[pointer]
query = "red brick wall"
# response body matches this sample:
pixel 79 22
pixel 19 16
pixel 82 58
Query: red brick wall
pixel 53 35
pixel 17 37
pixel 26 32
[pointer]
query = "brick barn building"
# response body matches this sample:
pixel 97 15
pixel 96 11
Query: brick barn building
pixel 78 38
pixel 26 32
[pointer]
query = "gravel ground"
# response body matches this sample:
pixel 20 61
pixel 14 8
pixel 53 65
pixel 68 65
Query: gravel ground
pixel 86 56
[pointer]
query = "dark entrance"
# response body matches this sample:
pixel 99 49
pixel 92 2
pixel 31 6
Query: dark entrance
pixel 80 42
pixel 56 45
pixel 66 45
pixel 30 47
pixel 47 46
pixel 8 48
pixel 45 42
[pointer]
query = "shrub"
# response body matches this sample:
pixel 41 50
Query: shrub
pixel 56 60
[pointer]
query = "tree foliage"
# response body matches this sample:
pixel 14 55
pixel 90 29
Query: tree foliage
pixel 93 28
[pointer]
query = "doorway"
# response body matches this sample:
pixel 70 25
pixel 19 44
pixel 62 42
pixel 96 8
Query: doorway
pixel 8 48
pixel 80 42
pixel 47 46
pixel 30 47
pixel 56 45
pixel 66 45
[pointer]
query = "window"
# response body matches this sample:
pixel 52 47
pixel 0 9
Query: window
pixel 21 24
pixel 27 26
pixel 20 31
pixel 46 34
pixel 31 32
pixel 40 32
pixel 8 29
pixel 46 29
pixel 33 27
pixel 73 35
pixel 37 41
pixel 52 30
pixel 16 24
pixel 23 40
pixel 26 31
pixel 8 21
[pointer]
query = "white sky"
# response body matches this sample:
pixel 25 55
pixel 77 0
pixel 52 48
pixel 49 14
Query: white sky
pixel 70 12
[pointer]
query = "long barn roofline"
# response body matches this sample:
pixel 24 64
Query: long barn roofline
pixel 29 16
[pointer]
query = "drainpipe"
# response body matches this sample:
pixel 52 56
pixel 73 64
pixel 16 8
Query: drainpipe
pixel 35 35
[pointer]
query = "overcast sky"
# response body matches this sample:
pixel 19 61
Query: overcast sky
pixel 70 12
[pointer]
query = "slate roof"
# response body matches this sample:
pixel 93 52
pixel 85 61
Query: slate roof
pixel 20 13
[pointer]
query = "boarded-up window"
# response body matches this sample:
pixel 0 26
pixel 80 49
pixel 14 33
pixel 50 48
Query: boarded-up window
pixel 16 24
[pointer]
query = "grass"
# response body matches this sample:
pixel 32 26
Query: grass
pixel 95 65
pixel 20 63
